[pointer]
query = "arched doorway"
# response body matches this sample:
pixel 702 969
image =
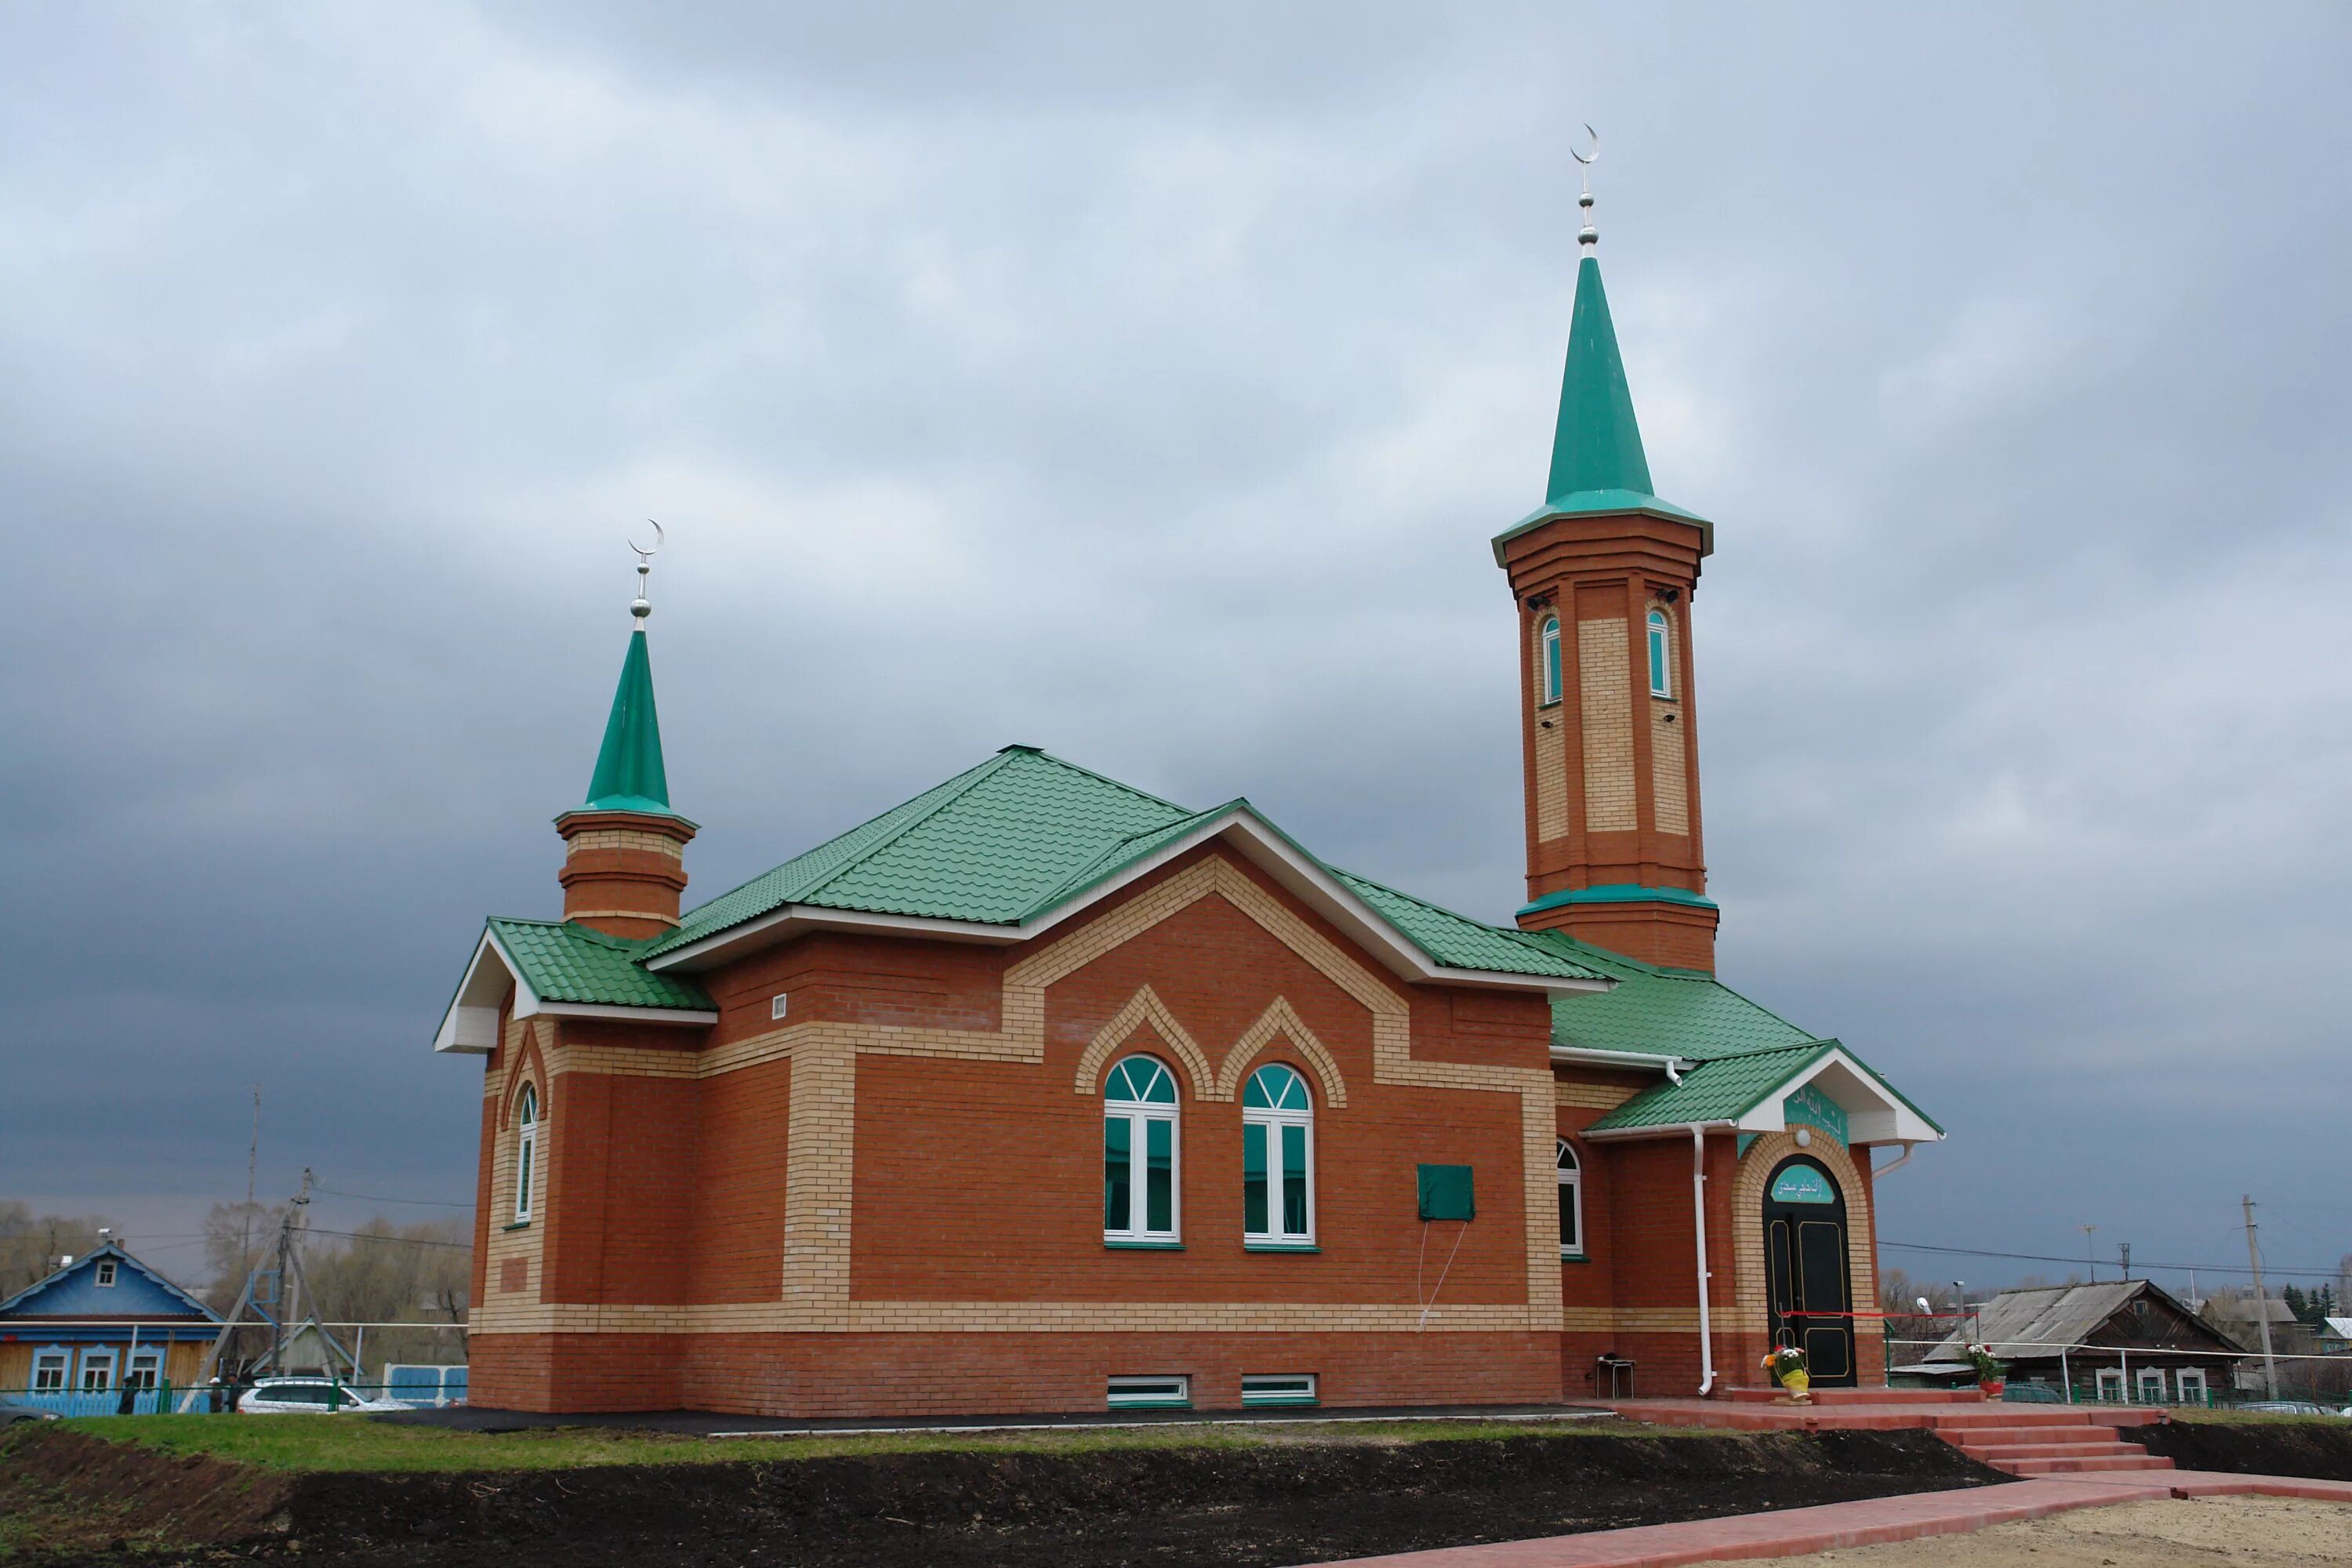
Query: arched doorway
pixel 1805 1253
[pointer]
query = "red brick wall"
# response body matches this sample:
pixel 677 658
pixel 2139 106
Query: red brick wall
pixel 735 1241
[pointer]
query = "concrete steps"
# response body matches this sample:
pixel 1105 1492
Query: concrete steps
pixel 2025 1440
pixel 2138 1462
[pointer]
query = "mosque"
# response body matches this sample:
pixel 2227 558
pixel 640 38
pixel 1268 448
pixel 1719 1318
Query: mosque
pixel 1040 1093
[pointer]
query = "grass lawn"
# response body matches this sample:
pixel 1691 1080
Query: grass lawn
pixel 2221 1417
pixel 354 1442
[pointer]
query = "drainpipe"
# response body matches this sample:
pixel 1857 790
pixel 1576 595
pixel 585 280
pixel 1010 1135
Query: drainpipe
pixel 1896 1163
pixel 1698 1215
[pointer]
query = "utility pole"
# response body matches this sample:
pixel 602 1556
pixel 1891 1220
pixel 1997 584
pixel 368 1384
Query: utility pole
pixel 2126 1249
pixel 252 1158
pixel 299 1210
pixel 2089 1259
pixel 2262 1302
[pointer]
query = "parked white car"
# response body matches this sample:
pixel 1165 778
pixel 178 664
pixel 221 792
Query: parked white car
pixel 307 1396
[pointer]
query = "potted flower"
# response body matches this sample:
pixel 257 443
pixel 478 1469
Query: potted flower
pixel 1787 1365
pixel 1990 1373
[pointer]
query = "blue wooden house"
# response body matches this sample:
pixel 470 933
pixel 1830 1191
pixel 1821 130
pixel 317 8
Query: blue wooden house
pixel 104 1326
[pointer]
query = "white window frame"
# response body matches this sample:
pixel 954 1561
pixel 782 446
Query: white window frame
pixel 527 1120
pixel 1138 1114
pixel 2108 1377
pixel 98 1361
pixel 1658 648
pixel 1168 1392
pixel 57 1363
pixel 1274 1238
pixel 1262 1388
pixel 2143 1378
pixel 1572 1185
pixel 2191 1378
pixel 104 1273
pixel 1548 660
pixel 144 1369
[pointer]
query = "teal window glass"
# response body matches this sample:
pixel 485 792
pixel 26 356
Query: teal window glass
pixel 1140 1178
pixel 1570 1174
pixel 1661 663
pixel 1278 1158
pixel 1159 1179
pixel 1254 1198
pixel 526 1148
pixel 1550 660
pixel 1119 1150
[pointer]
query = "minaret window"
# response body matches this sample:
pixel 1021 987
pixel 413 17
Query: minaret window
pixel 526 1151
pixel 1662 678
pixel 1550 636
pixel 1139 1206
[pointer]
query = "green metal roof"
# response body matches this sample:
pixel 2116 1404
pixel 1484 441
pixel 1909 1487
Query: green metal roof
pixel 566 963
pixel 1597 462
pixel 1671 1012
pixel 1023 834
pixel 1723 1090
pixel 629 775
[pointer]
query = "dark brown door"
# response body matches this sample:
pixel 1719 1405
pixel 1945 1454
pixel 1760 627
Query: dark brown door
pixel 1805 1252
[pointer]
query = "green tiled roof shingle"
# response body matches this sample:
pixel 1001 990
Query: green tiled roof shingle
pixel 1719 1090
pixel 565 963
pixel 1022 834
pixel 1669 1012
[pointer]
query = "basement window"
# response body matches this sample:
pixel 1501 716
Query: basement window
pixel 1278 1388
pixel 1151 1393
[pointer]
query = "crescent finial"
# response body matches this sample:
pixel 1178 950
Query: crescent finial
pixel 1587 159
pixel 658 538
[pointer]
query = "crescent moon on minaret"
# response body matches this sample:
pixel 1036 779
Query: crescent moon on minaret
pixel 1587 159
pixel 659 538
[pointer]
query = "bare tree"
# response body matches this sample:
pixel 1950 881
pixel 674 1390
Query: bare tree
pixel 30 1244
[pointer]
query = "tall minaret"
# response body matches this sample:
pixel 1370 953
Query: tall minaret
pixel 1603 572
pixel 625 850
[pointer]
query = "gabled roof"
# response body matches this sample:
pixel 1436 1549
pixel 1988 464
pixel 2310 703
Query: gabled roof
pixel 2023 1325
pixel 24 1303
pixel 562 961
pixel 1745 1090
pixel 1022 838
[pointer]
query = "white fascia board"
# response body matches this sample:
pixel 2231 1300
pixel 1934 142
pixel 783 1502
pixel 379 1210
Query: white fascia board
pixel 1268 850
pixel 1664 1129
pixel 471 1025
pixel 1875 1114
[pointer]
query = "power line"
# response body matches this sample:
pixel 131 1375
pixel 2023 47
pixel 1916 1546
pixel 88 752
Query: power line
pixel 2326 1273
pixel 372 1198
pixel 401 1240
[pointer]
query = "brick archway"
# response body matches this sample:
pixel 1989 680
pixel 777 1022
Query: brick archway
pixel 1748 1333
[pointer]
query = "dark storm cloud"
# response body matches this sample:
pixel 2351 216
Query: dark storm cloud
pixel 1147 389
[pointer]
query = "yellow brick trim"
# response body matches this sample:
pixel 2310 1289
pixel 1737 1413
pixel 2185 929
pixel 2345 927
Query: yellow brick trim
pixel 1145 1007
pixel 620 915
pixel 1280 1019
pixel 1671 790
pixel 1018 1317
pixel 1592 1096
pixel 1606 685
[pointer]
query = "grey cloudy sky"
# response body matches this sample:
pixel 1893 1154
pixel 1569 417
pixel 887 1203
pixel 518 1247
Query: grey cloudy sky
pixel 1147 386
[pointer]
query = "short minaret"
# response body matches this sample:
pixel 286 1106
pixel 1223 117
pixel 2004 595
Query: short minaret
pixel 1603 573
pixel 625 850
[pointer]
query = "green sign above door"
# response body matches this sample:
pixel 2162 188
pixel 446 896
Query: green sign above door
pixel 1802 1184
pixel 1814 1109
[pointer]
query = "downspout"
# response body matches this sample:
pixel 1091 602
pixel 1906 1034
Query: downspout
pixel 1896 1163
pixel 1698 1215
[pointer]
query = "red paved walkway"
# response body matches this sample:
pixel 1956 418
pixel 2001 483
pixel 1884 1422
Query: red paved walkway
pixel 1797 1531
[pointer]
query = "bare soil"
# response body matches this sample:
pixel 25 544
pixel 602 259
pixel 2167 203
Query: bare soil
pixel 2319 1450
pixel 2239 1531
pixel 1276 1504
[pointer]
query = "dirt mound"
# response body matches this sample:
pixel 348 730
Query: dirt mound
pixel 1269 1505
pixel 2310 1448
pixel 75 1493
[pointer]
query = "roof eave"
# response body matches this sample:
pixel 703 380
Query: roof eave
pixel 471 1025
pixel 1606 503
pixel 1267 846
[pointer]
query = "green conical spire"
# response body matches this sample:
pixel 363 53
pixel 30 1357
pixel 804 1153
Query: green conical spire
pixel 629 774
pixel 1598 445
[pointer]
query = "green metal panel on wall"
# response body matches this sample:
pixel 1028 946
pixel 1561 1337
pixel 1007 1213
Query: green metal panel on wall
pixel 1814 1109
pixel 1446 1193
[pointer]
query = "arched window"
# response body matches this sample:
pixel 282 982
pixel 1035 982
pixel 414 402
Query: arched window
pixel 1277 1158
pixel 1140 1208
pixel 1571 1199
pixel 525 1150
pixel 1661 655
pixel 1551 638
